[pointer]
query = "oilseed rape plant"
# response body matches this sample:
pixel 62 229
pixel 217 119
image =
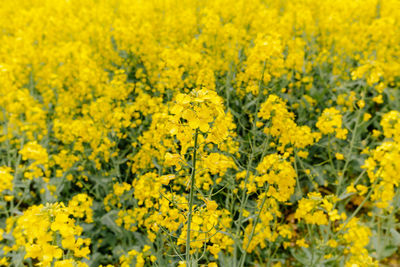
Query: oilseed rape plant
pixel 199 133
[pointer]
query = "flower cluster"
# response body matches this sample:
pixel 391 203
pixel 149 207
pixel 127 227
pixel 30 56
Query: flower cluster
pixel 49 235
pixel 331 122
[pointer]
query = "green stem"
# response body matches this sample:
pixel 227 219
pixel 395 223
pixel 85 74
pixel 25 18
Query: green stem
pixel 358 208
pixel 252 143
pixel 353 139
pixel 243 257
pixel 192 181
pixel 297 175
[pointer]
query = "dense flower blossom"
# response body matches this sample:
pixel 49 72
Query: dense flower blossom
pixel 199 133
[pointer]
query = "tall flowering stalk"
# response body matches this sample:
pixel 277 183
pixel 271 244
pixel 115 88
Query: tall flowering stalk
pixel 192 184
pixel 197 115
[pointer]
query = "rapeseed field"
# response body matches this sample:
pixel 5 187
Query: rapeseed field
pixel 199 133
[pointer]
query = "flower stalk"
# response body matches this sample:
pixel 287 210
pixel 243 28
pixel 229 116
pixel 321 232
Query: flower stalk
pixel 191 196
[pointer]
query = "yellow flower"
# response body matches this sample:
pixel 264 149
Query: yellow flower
pixel 339 156
pixel 361 103
pixel 367 117
pixel 302 243
pixel 362 189
pixel 378 99
pixel 6 179
pixel 331 121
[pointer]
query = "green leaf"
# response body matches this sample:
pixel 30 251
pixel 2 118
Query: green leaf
pixel 108 220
